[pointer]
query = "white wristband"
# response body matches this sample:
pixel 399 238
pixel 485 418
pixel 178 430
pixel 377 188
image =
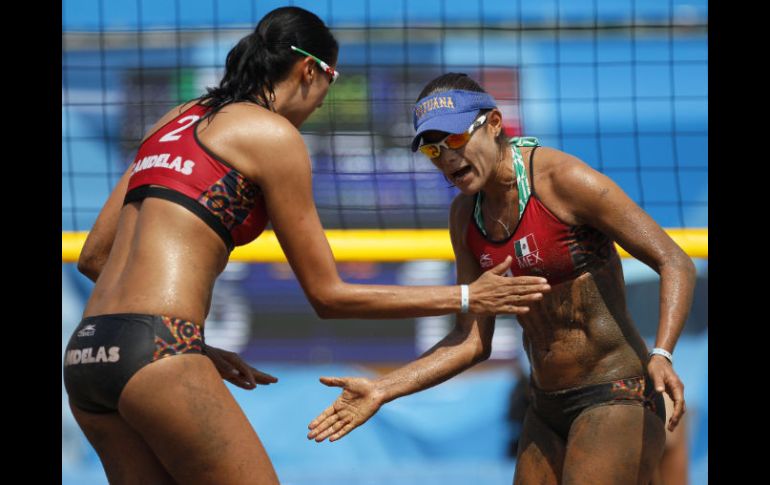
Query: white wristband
pixel 464 298
pixel 665 353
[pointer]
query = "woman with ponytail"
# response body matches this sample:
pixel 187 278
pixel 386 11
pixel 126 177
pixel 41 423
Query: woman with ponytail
pixel 207 177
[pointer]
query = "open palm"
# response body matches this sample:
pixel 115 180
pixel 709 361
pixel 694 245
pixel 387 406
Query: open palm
pixel 358 402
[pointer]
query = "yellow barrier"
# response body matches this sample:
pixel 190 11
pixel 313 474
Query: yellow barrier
pixel 391 245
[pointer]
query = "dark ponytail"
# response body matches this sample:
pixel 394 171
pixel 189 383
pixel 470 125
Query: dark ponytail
pixel 459 80
pixel 264 58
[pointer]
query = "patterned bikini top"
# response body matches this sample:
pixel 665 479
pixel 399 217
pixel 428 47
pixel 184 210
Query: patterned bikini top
pixel 173 164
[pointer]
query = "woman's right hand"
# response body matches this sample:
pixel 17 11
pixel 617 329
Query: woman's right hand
pixel 235 370
pixel 493 293
pixel 359 401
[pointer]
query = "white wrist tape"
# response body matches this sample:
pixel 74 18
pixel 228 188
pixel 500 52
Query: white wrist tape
pixel 665 353
pixel 464 298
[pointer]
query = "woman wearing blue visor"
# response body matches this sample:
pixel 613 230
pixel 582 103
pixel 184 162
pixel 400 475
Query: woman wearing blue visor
pixel 596 413
pixel 143 384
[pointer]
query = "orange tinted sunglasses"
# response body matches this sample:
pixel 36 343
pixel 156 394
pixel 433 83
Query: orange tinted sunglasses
pixel 452 141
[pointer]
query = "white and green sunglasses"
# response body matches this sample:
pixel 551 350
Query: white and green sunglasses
pixel 333 74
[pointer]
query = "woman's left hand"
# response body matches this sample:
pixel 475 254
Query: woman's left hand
pixel 665 379
pixel 233 369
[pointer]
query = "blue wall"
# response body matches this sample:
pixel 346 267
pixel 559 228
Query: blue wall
pixel 83 15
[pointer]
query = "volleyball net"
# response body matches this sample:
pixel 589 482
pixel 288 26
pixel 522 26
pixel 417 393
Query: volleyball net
pixel 620 84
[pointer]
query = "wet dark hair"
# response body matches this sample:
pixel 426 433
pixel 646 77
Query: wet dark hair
pixel 264 58
pixel 459 80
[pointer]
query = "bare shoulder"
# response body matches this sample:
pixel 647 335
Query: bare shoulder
pixel 258 128
pixel 270 140
pixel 552 165
pixel 254 139
pixel 559 176
pixel 461 208
pixel 460 213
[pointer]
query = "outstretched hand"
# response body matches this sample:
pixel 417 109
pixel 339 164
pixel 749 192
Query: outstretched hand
pixel 665 379
pixel 494 293
pixel 358 402
pixel 235 370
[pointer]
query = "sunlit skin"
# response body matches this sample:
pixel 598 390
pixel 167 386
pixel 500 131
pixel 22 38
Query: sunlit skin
pixel 579 334
pixel 171 273
pixel 156 257
pixel 673 468
pixel 493 178
pixel 293 97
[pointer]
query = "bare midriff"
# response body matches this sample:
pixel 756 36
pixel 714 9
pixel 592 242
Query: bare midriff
pixel 581 334
pixel 164 261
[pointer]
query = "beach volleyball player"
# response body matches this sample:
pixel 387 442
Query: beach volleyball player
pixel 142 384
pixel 596 413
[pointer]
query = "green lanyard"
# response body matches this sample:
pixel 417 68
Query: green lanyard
pixel 521 178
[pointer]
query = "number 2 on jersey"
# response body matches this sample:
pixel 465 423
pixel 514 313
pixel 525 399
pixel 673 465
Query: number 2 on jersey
pixel 172 135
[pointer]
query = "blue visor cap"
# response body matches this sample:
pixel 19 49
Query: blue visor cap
pixel 449 111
